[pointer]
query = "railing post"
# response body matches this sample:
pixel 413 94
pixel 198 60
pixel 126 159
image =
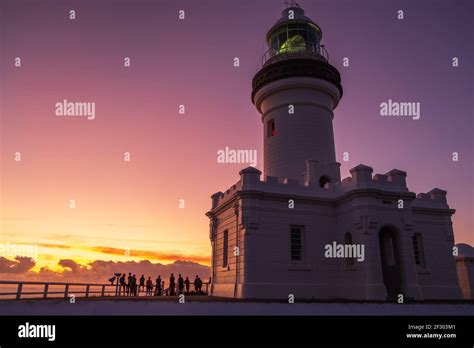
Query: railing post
pixel 45 292
pixel 87 290
pixel 18 291
pixel 66 290
pixel 103 291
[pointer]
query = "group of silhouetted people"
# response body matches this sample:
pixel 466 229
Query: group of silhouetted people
pixel 184 284
pixel 127 286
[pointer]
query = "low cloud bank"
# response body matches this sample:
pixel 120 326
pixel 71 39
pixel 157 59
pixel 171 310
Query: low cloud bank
pixel 98 271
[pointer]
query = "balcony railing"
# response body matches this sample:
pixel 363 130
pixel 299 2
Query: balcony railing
pixel 42 290
pixel 303 51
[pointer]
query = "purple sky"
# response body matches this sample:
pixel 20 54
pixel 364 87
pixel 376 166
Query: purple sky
pixel 191 62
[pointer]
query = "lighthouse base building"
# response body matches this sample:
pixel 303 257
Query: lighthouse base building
pixel 298 229
pixel 262 248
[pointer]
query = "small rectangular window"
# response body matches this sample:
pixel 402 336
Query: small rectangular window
pixel 296 244
pixel 418 250
pixel 271 131
pixel 225 248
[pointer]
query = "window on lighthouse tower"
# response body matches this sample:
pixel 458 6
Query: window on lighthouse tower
pixel 271 130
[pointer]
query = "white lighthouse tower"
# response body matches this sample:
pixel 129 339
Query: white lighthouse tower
pixel 296 92
pixel 300 231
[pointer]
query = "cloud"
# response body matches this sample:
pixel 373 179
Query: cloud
pixel 166 256
pixel 127 226
pixel 58 246
pixel 72 265
pixel 17 266
pixel 155 255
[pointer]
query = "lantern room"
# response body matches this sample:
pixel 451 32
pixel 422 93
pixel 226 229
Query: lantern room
pixel 294 33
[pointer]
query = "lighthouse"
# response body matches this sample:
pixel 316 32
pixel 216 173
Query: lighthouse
pixel 297 231
pixel 296 91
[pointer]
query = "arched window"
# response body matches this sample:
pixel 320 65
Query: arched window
pixel 348 241
pixel 324 181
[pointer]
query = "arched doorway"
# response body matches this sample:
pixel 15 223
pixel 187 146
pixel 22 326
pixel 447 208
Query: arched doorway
pixel 390 258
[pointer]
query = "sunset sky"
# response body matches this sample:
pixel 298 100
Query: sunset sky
pixel 134 205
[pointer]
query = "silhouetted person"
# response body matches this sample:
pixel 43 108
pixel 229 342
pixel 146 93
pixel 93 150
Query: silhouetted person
pixel 196 284
pixel 172 285
pixel 142 283
pixel 134 285
pixel 199 285
pixel 129 284
pixel 186 283
pixel 149 287
pixel 158 286
pixel 180 284
pixel 123 284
